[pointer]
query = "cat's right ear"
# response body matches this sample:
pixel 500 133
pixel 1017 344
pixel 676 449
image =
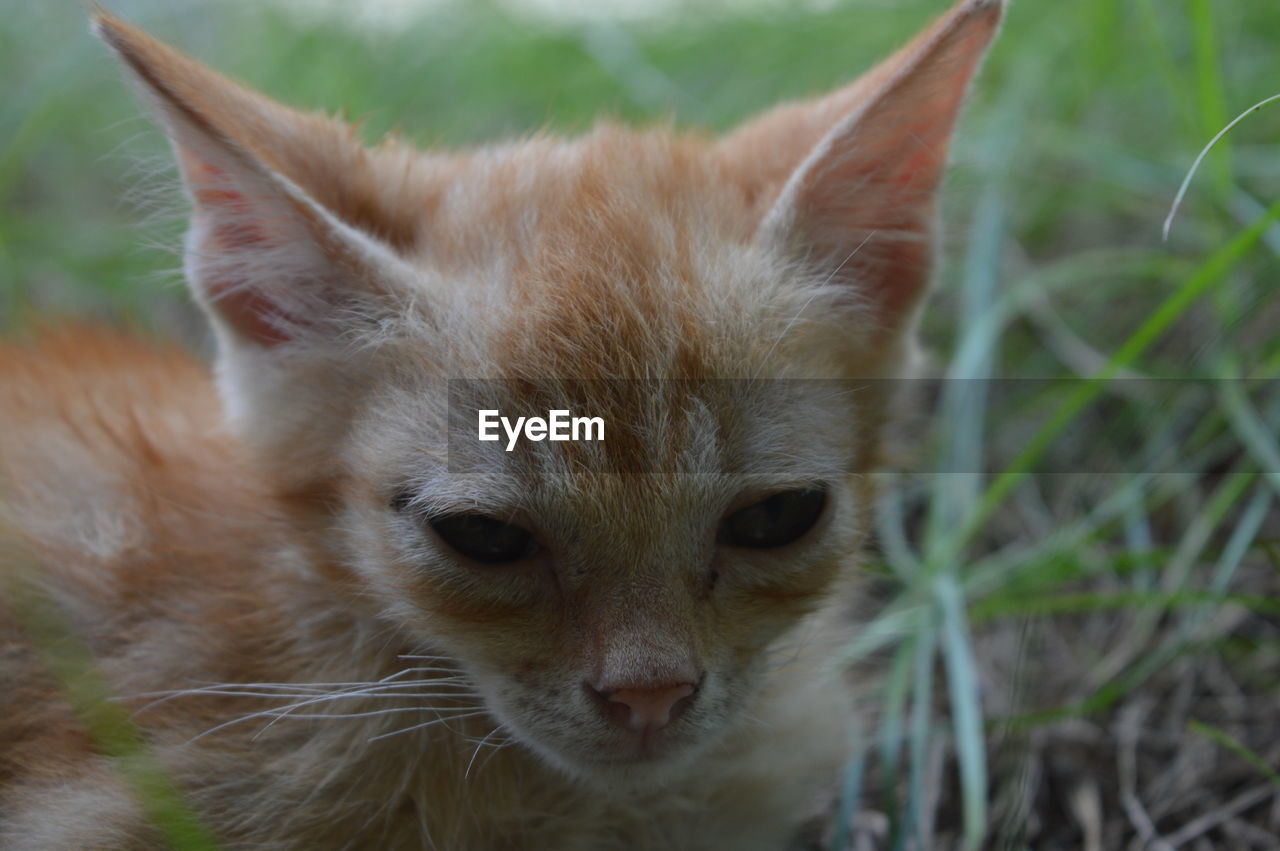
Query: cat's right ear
pixel 847 182
pixel 288 231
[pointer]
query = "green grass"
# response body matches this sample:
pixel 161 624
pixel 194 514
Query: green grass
pixel 1021 603
pixel 106 721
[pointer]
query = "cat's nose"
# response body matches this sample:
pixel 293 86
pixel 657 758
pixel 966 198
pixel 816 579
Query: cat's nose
pixel 648 707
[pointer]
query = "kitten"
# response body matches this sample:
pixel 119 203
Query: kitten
pixel 338 623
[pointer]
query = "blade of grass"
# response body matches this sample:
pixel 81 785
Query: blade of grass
pixel 966 711
pixel 1273 553
pixel 1238 545
pixel 850 793
pixel 1102 22
pixel 1206 522
pixel 1108 694
pixel 1210 98
pixel 891 533
pixel 106 722
pixel 964 400
pixel 1161 55
pixel 1254 434
pixel 1073 604
pixel 921 738
pixel 993 571
pixel 1204 152
pixel 1139 543
pixel 1177 573
pixel 897 691
pixel 1242 539
pixel 1207 276
pixel 1237 747
pixel 901 618
pixel 1116 677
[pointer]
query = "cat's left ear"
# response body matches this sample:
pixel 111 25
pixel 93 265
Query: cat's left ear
pixel 858 206
pixel 297 247
pixel 292 231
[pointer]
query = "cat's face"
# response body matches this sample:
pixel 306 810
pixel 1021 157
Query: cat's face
pixel 562 585
pixel 715 302
pixel 718 511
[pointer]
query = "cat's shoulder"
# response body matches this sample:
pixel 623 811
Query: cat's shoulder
pixel 70 366
pixel 112 451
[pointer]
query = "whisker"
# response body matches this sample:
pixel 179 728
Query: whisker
pixel 276 713
pixel 397 710
pixel 312 696
pixel 295 690
pixel 376 691
pixel 755 719
pixel 279 713
pixel 316 685
pixel 498 729
pixel 420 656
pixel 370 688
pixel 441 668
pixel 426 724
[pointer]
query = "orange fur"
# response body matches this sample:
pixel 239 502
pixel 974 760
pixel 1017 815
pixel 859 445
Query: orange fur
pixel 217 538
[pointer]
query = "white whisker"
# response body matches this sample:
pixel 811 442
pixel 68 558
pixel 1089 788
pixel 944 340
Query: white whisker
pixel 395 710
pixel 498 729
pixel 301 691
pixel 426 724
pixel 317 685
pixel 310 696
pixel 376 691
pixel 281 712
pixel 820 290
pixel 439 668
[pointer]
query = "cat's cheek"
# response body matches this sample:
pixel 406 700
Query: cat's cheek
pixel 760 598
pixel 544 719
pixel 401 565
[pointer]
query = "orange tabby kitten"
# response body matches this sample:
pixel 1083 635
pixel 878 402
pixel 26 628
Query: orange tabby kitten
pixel 338 623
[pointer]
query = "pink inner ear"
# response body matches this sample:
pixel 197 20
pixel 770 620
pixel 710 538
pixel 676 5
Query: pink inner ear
pixel 252 314
pixel 236 228
pixel 919 170
pixel 198 171
pixel 235 235
pixel 905 273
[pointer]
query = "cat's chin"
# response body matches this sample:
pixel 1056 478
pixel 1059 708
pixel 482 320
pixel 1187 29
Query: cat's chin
pixel 625 770
pixel 625 774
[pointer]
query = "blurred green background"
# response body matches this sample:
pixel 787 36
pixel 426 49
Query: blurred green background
pixel 1051 610
pixel 1088 115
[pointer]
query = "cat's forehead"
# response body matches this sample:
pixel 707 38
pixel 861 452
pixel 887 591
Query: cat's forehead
pixel 622 265
pixel 552 188
pixel 660 441
pixel 614 204
pixel 622 253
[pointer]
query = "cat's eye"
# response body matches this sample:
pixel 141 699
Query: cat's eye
pixel 776 520
pixel 485 539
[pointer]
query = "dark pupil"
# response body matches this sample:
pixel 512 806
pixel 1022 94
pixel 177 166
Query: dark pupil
pixel 484 538
pixel 778 520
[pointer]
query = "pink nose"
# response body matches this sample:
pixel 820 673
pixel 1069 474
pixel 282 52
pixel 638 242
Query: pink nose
pixel 647 708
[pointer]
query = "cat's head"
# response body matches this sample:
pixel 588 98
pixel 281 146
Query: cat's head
pixel 712 300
